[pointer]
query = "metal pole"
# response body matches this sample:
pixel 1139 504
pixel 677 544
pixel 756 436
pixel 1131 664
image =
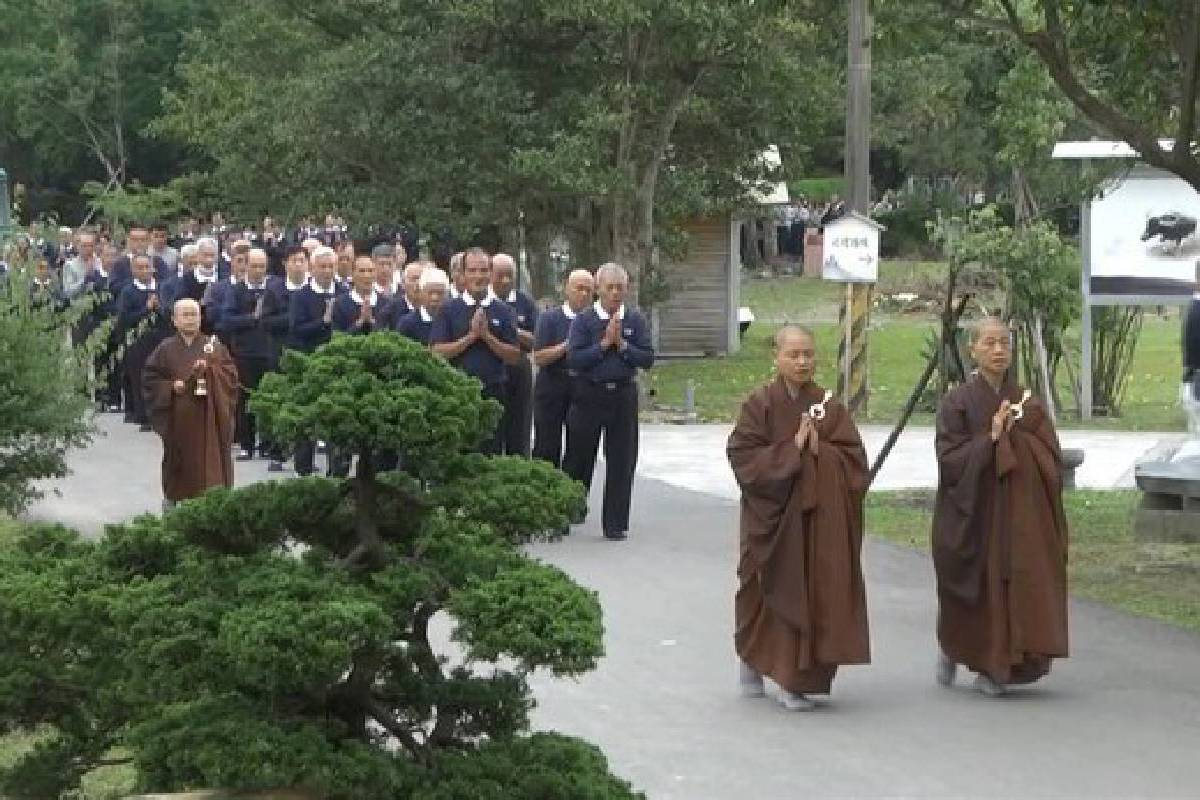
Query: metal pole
pixel 1085 321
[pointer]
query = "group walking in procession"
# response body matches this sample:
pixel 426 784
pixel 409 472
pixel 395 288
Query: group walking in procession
pixel 196 327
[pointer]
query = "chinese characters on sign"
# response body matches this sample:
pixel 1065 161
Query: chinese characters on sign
pixel 851 250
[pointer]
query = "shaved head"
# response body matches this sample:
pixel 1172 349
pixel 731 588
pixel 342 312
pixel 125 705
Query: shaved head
pixel 989 323
pixel 788 331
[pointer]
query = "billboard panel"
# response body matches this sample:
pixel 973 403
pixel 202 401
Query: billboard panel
pixel 1143 234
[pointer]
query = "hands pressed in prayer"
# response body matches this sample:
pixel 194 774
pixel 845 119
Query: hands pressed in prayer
pixel 478 323
pixel 329 311
pixel 612 334
pixel 258 307
pixel 1002 421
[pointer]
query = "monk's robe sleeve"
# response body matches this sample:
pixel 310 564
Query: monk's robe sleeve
pixel 157 380
pixel 223 377
pixel 764 469
pixel 963 455
pixel 1034 438
pixel 840 442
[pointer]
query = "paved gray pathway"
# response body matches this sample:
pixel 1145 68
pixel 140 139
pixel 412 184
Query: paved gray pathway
pixel 1120 719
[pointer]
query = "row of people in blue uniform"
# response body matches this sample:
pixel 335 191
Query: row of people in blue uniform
pixel 588 353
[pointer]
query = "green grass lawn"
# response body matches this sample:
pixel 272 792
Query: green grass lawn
pixel 895 356
pixel 1105 564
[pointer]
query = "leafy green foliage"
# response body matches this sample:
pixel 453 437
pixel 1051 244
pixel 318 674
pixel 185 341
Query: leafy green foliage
pixel 371 392
pixel 43 392
pixel 279 635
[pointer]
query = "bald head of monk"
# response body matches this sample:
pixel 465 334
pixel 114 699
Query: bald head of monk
pixel 580 289
pixel 186 316
pixel 991 348
pixel 795 355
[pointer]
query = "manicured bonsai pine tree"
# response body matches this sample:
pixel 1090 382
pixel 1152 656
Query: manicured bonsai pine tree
pixel 359 638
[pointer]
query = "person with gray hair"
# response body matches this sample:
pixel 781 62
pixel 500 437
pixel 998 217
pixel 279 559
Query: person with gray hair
pixel 554 388
pixel 431 294
pixel 607 346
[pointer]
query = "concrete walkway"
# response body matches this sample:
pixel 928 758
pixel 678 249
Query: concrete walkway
pixel 1120 719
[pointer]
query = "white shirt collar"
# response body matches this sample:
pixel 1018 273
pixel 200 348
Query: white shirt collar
pixel 202 278
pixel 511 299
pixel 100 271
pixel 469 298
pixel 567 312
pixel 454 293
pixel 425 315
pixel 358 299
pixel 144 287
pixel 378 289
pixel 293 287
pixel 257 288
pixel 312 282
pixel 602 314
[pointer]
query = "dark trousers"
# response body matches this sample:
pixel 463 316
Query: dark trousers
pixel 494 444
pixel 518 411
pixel 611 409
pixel 552 395
pixel 250 371
pixel 337 462
pixel 131 376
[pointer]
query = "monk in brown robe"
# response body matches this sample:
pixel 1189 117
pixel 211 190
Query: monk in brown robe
pixel 800 608
pixel 999 534
pixel 191 387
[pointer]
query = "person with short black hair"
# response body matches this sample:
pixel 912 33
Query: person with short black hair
pixel 607 346
pixel 518 388
pixel 311 325
pixel 478 334
pixel 142 324
pixel 244 321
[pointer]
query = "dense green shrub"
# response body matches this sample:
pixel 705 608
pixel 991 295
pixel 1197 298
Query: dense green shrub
pixel 279 634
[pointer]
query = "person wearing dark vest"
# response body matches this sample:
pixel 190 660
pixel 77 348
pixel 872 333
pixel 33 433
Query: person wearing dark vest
pixel 98 291
pixel 429 299
pixel 311 325
pixel 244 322
pixel 387 282
pixel 478 334
pixel 277 303
pixel 142 324
pixel 197 283
pixel 138 242
pixel 217 295
pixel 554 389
pixel 518 389
pixel 364 308
pixel 607 345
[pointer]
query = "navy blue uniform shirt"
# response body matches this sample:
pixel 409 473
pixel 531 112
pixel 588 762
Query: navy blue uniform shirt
pixel 416 325
pixel 553 327
pixel 347 308
pixel 307 329
pixel 454 321
pixel 616 364
pixel 248 335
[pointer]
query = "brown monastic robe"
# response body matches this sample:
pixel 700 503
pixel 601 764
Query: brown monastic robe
pixel 196 431
pixel 800 608
pixel 999 536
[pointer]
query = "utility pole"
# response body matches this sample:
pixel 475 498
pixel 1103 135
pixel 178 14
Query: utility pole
pixel 856 314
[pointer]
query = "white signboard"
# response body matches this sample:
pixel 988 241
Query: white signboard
pixel 1143 236
pixel 851 250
